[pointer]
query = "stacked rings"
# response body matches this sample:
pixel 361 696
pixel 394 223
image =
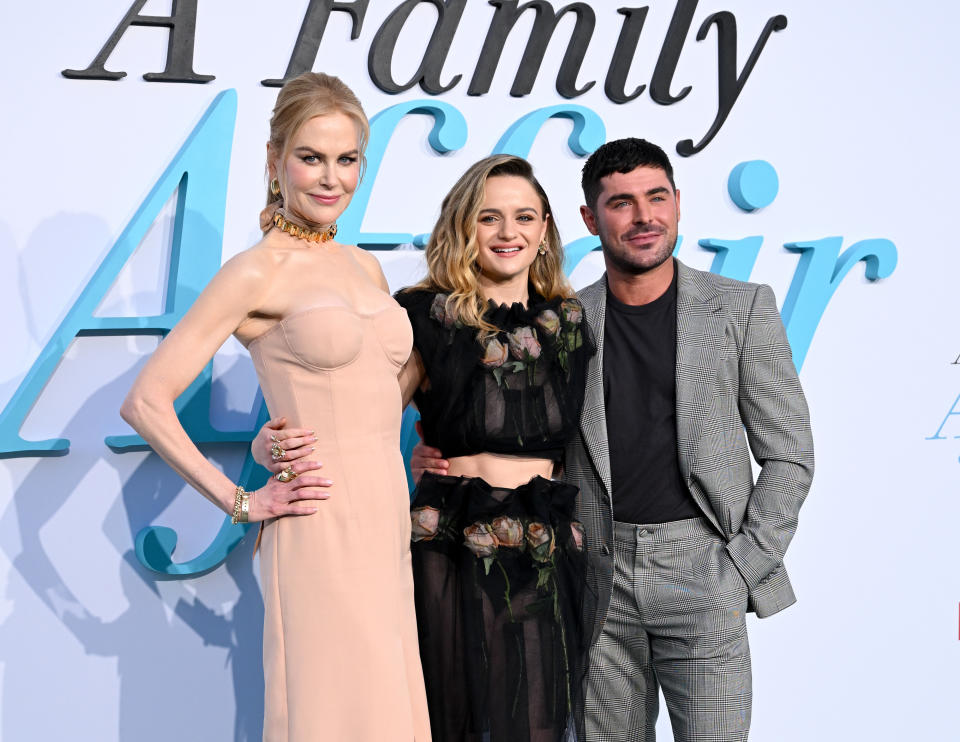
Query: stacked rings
pixel 277 452
pixel 287 475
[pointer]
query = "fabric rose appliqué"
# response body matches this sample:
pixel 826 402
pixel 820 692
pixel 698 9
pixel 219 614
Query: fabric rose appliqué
pixel 509 531
pixel 540 541
pixel 495 353
pixel 525 349
pixel 571 312
pixel 424 523
pixel 524 345
pixel 480 539
pixel 484 540
pixel 549 322
pixel 571 334
pixel 442 312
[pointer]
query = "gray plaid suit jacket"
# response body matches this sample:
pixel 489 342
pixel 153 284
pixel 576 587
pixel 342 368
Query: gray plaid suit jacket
pixel 735 376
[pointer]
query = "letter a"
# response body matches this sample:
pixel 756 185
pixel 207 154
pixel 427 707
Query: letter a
pixel 198 173
pixel 182 23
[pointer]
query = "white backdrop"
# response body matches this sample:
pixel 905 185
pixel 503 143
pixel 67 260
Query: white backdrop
pixel 853 104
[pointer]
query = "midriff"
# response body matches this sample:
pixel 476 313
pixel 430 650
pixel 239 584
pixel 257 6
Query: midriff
pixel 501 470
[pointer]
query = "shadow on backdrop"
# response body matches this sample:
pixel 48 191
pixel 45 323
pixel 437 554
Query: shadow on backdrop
pixel 161 685
pixel 152 650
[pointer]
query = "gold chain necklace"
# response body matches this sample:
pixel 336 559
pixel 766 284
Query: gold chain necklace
pixel 281 222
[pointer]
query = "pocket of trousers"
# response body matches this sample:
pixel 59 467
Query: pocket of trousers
pixel 715 569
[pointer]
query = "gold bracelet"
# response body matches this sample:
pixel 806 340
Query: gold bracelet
pixel 241 506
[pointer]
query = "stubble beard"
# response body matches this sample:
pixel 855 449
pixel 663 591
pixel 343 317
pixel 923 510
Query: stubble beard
pixel 621 259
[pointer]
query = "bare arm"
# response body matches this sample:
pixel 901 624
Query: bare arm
pixel 235 292
pixel 411 376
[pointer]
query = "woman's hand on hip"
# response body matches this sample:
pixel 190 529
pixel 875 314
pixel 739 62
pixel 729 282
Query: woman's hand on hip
pixel 275 446
pixel 283 495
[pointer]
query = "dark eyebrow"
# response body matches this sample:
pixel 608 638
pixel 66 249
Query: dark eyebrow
pixel 630 197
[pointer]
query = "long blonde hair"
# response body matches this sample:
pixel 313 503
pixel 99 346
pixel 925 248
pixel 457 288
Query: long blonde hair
pixel 300 99
pixel 452 250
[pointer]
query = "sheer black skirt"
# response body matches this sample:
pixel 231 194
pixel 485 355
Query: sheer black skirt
pixel 499 576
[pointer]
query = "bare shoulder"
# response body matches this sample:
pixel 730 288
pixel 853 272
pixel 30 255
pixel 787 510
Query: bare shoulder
pixel 260 263
pixel 247 279
pixel 370 264
pixel 256 262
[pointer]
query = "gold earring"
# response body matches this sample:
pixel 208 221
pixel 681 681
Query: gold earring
pixel 542 250
pixel 275 187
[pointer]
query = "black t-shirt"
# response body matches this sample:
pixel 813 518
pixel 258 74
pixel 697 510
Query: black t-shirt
pixel 640 396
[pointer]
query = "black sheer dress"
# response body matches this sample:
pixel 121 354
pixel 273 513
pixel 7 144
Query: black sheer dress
pixel 499 574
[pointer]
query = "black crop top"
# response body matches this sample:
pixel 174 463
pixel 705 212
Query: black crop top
pixel 519 392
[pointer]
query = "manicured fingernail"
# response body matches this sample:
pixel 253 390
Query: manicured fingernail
pixel 312 448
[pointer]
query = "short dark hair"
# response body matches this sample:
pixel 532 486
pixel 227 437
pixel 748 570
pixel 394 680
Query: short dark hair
pixel 621 156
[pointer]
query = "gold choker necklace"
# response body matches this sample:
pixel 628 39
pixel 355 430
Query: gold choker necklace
pixel 281 222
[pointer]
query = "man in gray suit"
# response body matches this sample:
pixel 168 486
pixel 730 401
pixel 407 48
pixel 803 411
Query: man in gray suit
pixel 681 541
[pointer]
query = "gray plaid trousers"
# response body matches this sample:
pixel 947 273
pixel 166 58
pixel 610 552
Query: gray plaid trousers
pixel 677 620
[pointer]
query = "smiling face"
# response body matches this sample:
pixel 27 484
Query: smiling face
pixel 510 226
pixel 636 217
pixel 320 170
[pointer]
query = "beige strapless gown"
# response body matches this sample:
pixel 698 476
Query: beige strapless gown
pixel 340 654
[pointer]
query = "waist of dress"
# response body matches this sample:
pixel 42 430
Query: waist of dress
pixel 464 500
pixel 433 481
pixel 351 447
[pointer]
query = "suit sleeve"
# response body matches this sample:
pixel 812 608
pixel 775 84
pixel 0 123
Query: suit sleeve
pixel 777 422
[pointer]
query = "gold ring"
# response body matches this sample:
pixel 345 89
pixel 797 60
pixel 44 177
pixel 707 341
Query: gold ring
pixel 286 475
pixel 277 452
pixel 274 438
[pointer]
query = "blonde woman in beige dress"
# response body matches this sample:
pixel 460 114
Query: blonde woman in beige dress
pixel 327 341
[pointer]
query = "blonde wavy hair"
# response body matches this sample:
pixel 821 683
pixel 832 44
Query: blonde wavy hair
pixel 452 250
pixel 300 99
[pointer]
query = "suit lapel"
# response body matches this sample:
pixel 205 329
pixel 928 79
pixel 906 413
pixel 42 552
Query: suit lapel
pixel 593 419
pixel 700 335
